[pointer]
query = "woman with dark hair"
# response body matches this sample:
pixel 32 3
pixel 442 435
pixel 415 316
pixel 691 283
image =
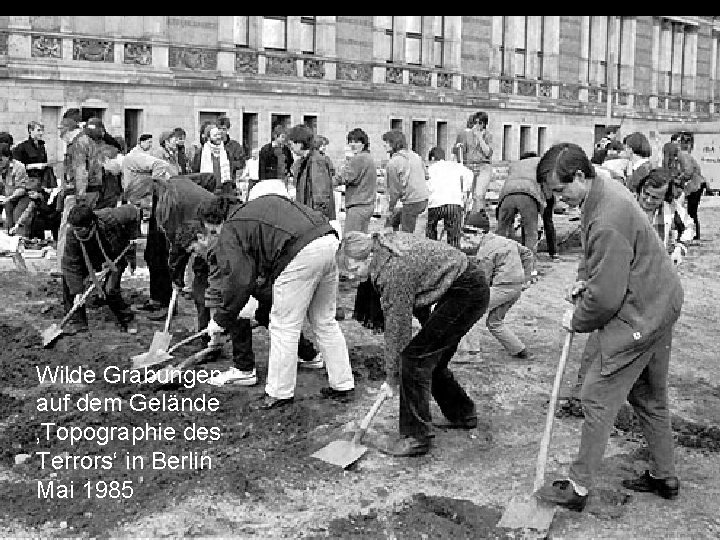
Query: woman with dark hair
pixel 406 182
pixel 411 273
pixel 359 176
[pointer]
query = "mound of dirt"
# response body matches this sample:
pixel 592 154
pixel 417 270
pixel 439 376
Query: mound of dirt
pixel 368 361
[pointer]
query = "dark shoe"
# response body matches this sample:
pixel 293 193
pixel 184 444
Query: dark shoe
pixel 268 402
pixel 339 314
pixel 562 493
pixel 407 447
pixel 524 355
pixel 150 305
pixel 340 395
pixel 470 422
pixel 667 488
pixel 160 315
pixel 555 258
pixel 129 327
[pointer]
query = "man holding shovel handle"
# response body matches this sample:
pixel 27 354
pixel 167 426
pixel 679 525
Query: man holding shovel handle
pixel 628 297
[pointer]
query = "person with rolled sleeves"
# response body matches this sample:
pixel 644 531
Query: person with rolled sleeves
pixel 292 248
pixel 409 274
pixel 627 297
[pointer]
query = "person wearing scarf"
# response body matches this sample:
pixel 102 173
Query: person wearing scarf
pixel 94 240
pixel 214 159
pixel 410 274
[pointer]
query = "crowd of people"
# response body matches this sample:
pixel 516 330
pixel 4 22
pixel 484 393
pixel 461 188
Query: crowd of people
pixel 223 225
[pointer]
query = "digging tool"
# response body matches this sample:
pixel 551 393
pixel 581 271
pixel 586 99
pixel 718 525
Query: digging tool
pixel 532 512
pixel 13 244
pixel 344 453
pixel 161 340
pixel 165 372
pixel 145 360
pixel 55 330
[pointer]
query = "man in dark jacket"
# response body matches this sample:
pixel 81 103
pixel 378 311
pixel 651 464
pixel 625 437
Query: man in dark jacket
pixel 235 151
pixel 291 247
pixel 275 157
pixel 313 178
pixel 94 240
pixel 628 297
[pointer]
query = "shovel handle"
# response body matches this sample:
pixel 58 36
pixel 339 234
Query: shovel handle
pixel 187 340
pixel 542 455
pixel 369 416
pixel 171 309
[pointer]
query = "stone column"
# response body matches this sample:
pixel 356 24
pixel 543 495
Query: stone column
pixel 690 65
pixel 399 39
pixel 656 62
pixel 293 34
pixel 378 57
pixel 678 44
pixel 226 47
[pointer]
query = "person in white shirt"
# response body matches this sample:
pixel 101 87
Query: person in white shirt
pixel 449 184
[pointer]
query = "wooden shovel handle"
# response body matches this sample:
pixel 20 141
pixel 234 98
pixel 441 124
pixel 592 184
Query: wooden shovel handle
pixel 187 340
pixel 542 455
pixel 369 416
pixel 171 309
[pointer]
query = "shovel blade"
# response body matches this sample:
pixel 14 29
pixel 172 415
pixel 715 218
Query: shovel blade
pixel 50 334
pixel 340 453
pixel 146 359
pixel 160 342
pixel 528 513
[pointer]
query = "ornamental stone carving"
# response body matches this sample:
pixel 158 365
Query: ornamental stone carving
pixel 545 90
pixel 280 65
pixel 192 58
pixel 506 86
pixel 394 75
pixel 138 53
pixel 46 47
pixel 471 83
pixel 569 92
pixel 685 105
pixel 419 77
pixel 702 107
pixel 246 63
pixel 526 88
pixel 314 69
pixel 593 95
pixel 93 50
pixel 444 80
pixel 354 72
pixel 673 104
pixel 642 101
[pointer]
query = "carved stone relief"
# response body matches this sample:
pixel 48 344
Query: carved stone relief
pixel 192 58
pixel 46 47
pixel 354 72
pixel 94 50
pixel 138 53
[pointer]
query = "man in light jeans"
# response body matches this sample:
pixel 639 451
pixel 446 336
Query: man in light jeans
pixel 272 239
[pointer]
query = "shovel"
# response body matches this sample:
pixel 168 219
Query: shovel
pixel 145 360
pixel 344 453
pixel 161 340
pixel 532 512
pixel 54 331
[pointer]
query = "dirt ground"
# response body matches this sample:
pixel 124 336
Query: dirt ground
pixel 263 482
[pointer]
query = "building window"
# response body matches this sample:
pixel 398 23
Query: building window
pixel 541 49
pixel 413 40
pixel 507 136
pixel 439 41
pixel 241 31
pixel 524 139
pixel 715 66
pixel 307 35
pixel 674 47
pixel 386 38
pixel 598 39
pixel 396 124
pixel 541 136
pixel 522 46
pixel 275 33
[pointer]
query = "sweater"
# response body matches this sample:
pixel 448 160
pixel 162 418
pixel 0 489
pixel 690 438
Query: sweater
pixel 417 278
pixel 633 294
pixel 448 181
pixel 503 260
pixel 359 175
pixel 522 178
pixel 406 178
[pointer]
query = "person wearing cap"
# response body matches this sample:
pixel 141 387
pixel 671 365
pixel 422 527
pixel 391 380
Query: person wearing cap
pixel 410 273
pixel 291 248
pixel 94 240
pixel 83 170
pixel 628 297
pixel 508 267
pixel 638 151
pixel 167 151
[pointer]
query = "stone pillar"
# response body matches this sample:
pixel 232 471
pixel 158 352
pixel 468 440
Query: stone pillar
pixel 293 34
pixel 534 37
pixel 399 39
pixel 378 32
pixel 255 32
pixel 690 65
pixel 551 49
pixel 678 41
pixel 326 36
pixel 428 40
pixel 226 44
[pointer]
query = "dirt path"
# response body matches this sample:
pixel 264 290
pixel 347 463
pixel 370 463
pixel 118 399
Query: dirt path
pixel 263 484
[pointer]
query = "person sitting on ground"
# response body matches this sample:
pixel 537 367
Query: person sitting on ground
pixel 508 267
pixel 411 273
pixel 406 179
pixel 449 184
pixel 291 248
pixel 94 240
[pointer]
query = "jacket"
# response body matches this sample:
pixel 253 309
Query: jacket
pixel 170 157
pixel 268 163
pixel 359 175
pixel 83 166
pixel 29 152
pixel 470 141
pixel 633 293
pixel 139 169
pixel 116 226
pixel 504 261
pixel 236 156
pixel 15 178
pixel 522 178
pixel 417 278
pixel 258 240
pixel 690 175
pixel 406 178
pixel 635 179
pixel 313 183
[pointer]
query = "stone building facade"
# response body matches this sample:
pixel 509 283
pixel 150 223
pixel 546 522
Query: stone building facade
pixel 542 79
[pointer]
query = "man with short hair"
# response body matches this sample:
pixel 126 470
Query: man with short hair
pixel 184 159
pixel 448 185
pixel 167 151
pixel 235 151
pixel 313 177
pixel 144 142
pixel 275 157
pixel 638 152
pixel 475 143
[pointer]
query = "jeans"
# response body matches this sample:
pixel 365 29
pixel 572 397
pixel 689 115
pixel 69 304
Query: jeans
pixel 357 218
pixel 693 201
pixel 156 257
pixel 483 176
pixel 113 299
pixel 405 218
pixel 528 209
pixel 69 203
pixel 502 298
pixel 424 362
pixel 451 215
pixel 307 287
pixel 644 383
pixel 549 226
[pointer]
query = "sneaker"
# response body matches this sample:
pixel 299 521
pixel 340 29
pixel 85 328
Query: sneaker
pixel 235 377
pixel 315 363
pixel 268 402
pixel 339 314
pixel 667 488
pixel 562 493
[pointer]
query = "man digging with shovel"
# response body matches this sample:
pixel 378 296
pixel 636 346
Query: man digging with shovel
pixel 95 239
pixel 629 296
